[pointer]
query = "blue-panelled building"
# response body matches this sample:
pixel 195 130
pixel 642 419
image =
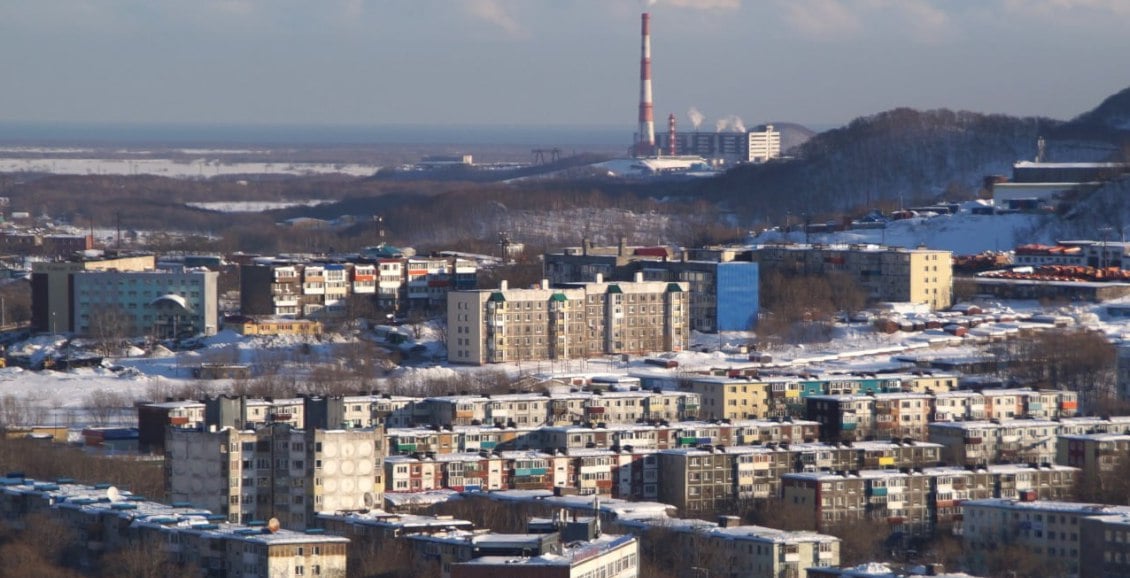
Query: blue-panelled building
pixel 723 281
pixel 737 295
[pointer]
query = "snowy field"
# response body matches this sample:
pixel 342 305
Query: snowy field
pixel 963 233
pixel 199 168
pixel 254 206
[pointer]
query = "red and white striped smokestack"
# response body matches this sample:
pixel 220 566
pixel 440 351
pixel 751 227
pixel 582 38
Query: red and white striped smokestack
pixel 671 149
pixel 646 144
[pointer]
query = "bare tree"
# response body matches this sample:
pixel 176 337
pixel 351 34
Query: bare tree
pixel 104 405
pixel 109 327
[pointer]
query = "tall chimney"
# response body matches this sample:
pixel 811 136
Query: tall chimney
pixel 646 144
pixel 671 150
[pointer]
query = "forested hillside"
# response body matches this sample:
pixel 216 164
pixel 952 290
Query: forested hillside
pixel 875 160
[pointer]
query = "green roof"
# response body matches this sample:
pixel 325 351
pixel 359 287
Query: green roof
pixel 558 297
pixel 614 289
pixel 497 297
pixel 674 288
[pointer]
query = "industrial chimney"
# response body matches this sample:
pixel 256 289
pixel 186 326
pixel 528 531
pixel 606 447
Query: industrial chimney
pixel 671 149
pixel 646 144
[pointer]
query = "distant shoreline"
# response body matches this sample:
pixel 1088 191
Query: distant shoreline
pixel 93 134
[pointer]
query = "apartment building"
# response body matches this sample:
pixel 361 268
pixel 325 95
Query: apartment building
pixel 877 416
pixel 750 396
pixel 303 288
pixel 1104 545
pixel 1097 456
pixel 748 550
pixel 608 556
pixel 959 406
pixel 723 283
pixel 830 499
pixel 359 411
pixel 1017 440
pixel 915 501
pixel 428 280
pixel 1051 531
pixel 653 435
pixel 154 418
pixel 730 398
pixel 456 439
pixel 105 519
pixel 373 526
pixel 900 415
pixel 317 412
pixel 620 473
pixel 696 480
pixel 585 320
pixel 885 273
pixel 275 471
pixel 52 287
pixel 989 442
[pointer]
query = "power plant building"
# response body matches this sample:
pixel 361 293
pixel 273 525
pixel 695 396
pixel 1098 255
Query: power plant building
pixel 756 146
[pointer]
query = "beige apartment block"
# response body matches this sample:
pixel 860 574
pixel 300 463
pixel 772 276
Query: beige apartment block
pixel 582 320
pixel 885 273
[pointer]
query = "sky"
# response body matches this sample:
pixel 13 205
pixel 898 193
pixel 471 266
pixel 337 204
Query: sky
pixel 550 62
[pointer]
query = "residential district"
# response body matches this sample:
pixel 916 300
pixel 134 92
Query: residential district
pixel 609 445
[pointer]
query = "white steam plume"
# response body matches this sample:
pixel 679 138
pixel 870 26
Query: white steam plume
pixel 732 123
pixel 696 117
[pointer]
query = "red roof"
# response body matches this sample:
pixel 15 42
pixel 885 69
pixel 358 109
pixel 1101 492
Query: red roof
pixel 650 252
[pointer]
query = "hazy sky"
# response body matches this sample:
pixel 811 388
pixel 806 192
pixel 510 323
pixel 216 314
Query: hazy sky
pixel 550 62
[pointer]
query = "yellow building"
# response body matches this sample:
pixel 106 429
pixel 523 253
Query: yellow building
pixel 730 398
pixel 306 327
pixel 885 273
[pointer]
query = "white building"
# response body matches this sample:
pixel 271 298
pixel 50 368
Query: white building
pixel 764 145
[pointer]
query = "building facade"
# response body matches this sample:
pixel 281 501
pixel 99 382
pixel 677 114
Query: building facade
pixel 885 273
pixel 52 287
pixel 590 319
pixel 275 471
pixel 160 304
pixel 723 282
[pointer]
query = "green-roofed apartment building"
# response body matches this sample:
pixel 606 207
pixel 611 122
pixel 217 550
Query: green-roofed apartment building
pixel 575 322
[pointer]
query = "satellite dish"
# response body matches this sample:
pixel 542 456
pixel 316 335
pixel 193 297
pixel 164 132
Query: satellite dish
pixel 368 499
pixel 113 494
pixel 273 525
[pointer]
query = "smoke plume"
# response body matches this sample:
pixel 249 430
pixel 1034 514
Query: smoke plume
pixel 732 123
pixel 696 117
